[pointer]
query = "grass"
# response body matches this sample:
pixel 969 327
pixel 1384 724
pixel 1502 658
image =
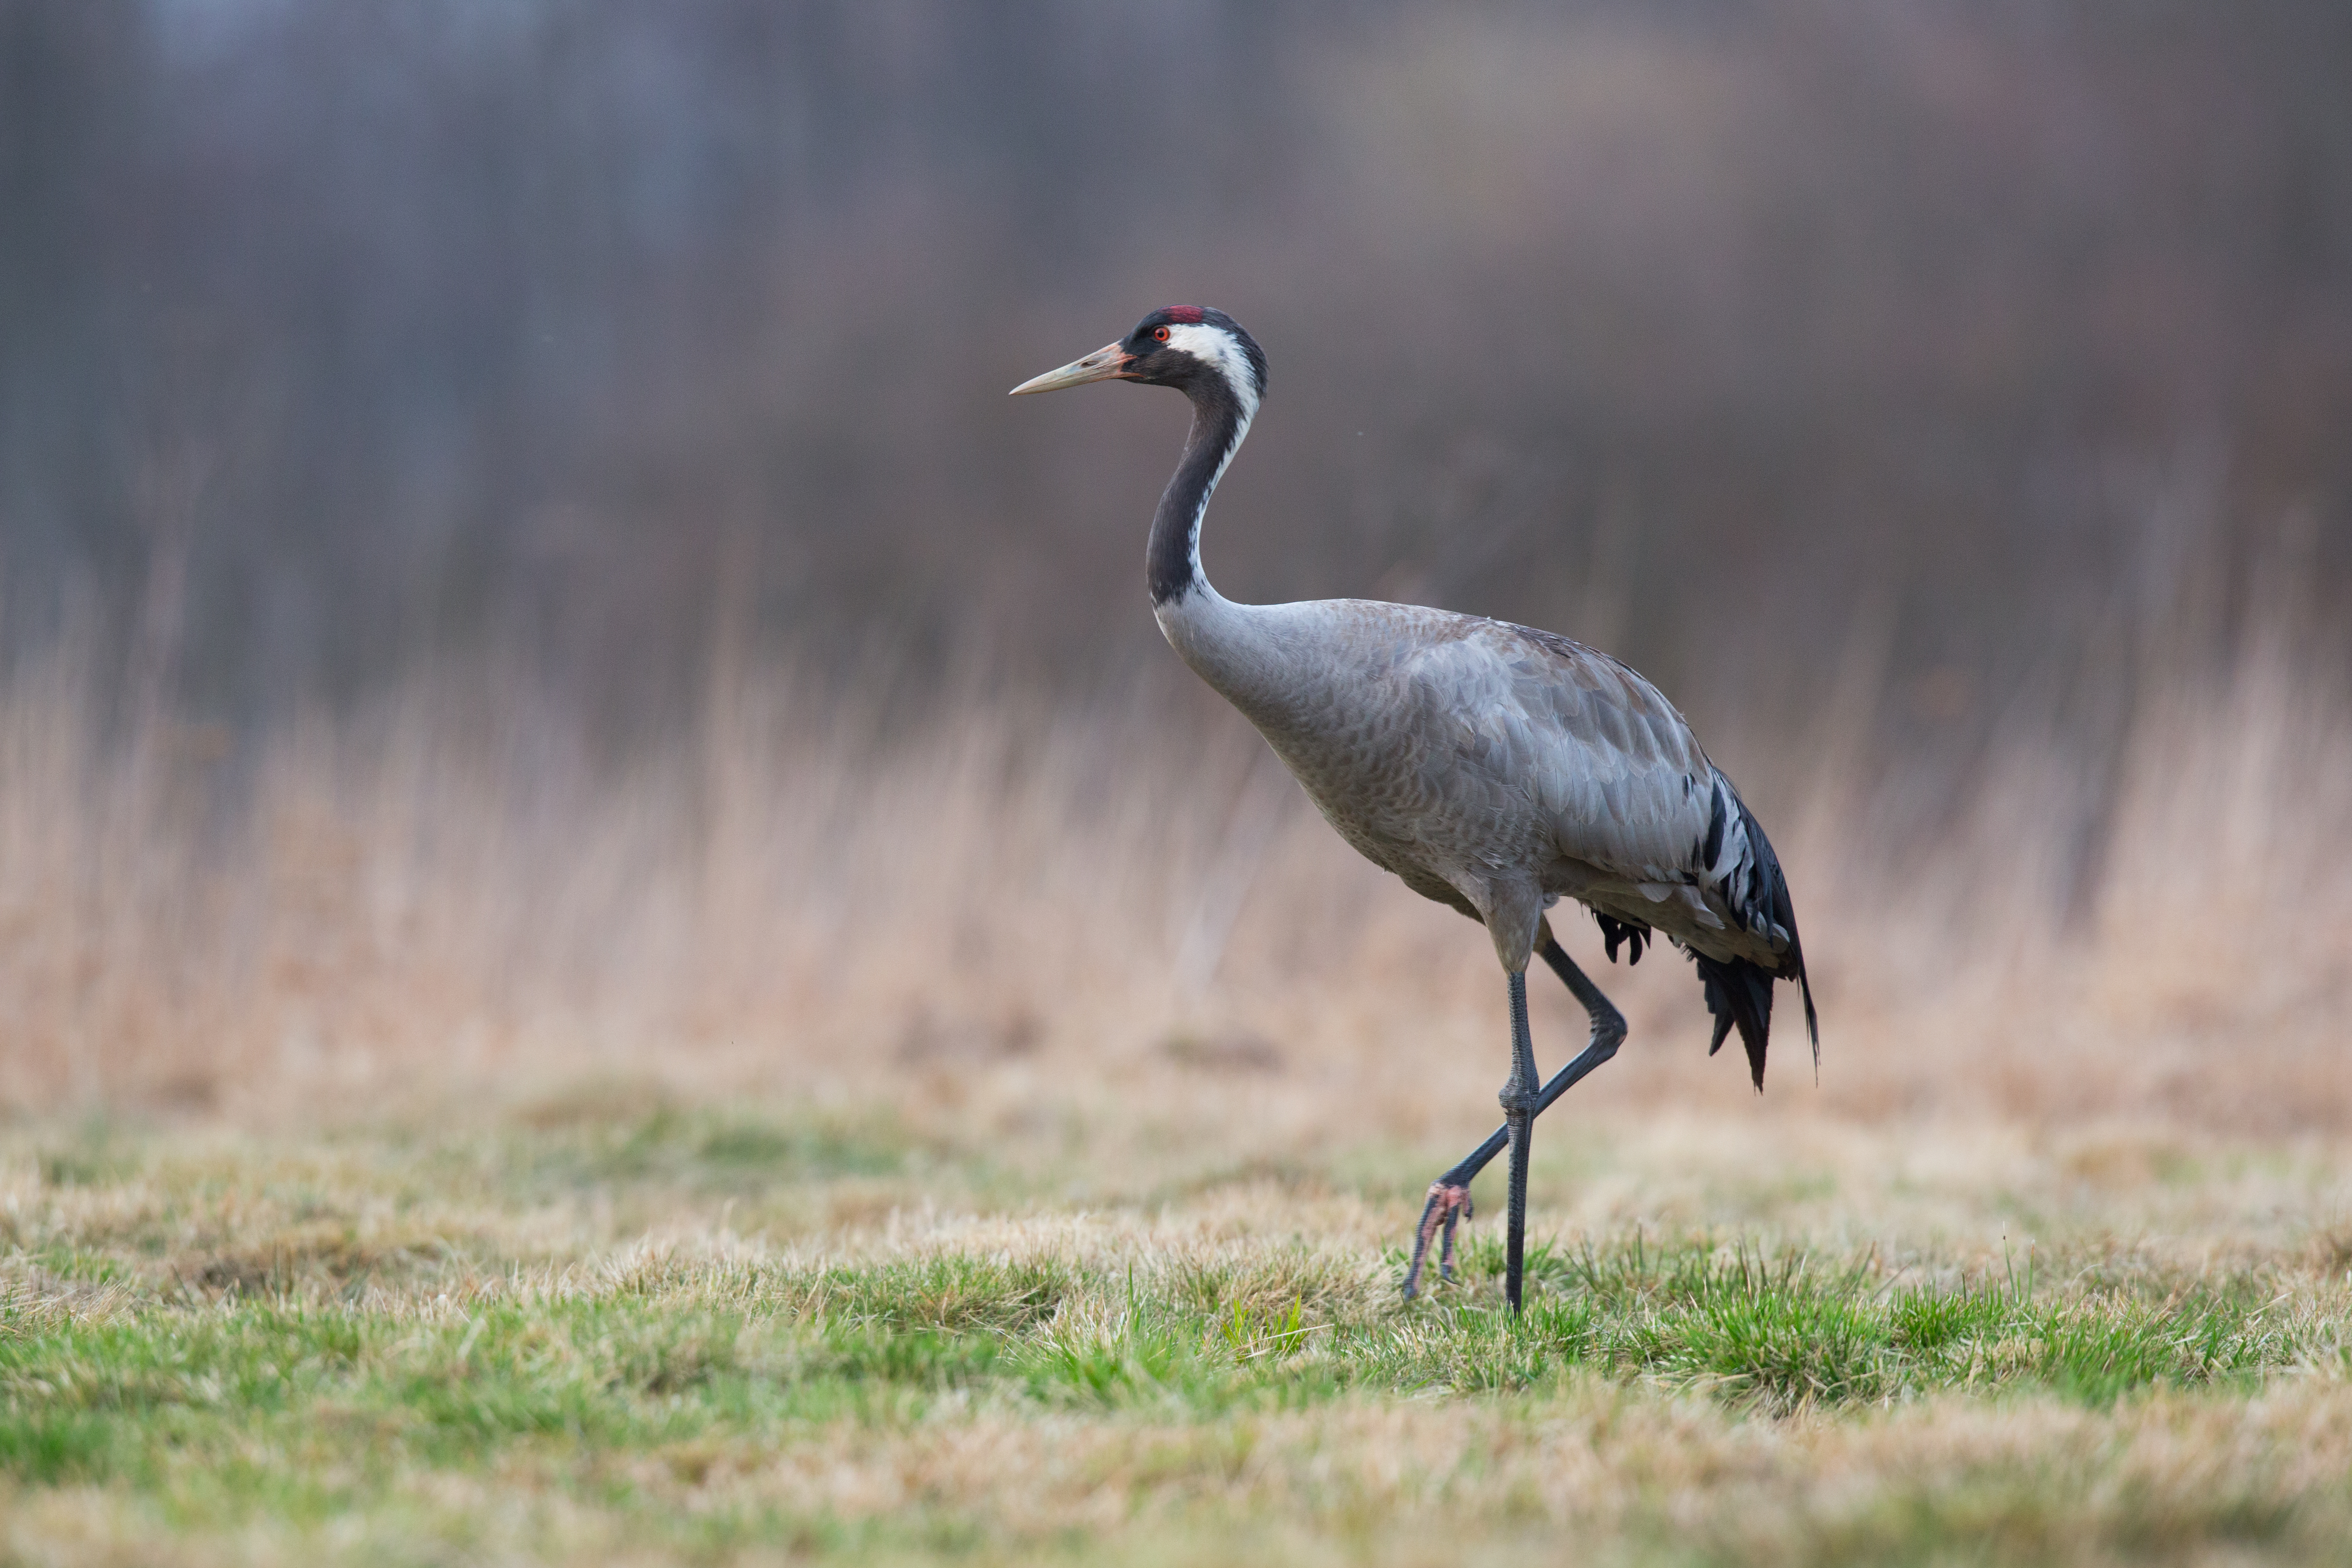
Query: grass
pixel 570 1332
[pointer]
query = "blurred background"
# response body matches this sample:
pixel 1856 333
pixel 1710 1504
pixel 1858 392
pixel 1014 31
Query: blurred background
pixel 513 548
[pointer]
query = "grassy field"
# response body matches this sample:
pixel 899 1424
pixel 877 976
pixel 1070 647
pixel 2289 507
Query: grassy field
pixel 608 1324
pixel 992 1139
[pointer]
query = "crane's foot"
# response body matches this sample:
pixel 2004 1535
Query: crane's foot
pixel 1448 1203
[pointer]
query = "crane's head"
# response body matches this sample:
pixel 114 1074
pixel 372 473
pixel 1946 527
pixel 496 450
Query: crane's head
pixel 1200 352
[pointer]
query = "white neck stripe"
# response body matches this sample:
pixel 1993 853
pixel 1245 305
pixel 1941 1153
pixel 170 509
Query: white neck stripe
pixel 1219 350
pixel 1192 536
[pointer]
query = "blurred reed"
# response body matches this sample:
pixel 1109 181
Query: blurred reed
pixel 1012 907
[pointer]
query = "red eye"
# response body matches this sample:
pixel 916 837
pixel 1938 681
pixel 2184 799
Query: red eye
pixel 1160 332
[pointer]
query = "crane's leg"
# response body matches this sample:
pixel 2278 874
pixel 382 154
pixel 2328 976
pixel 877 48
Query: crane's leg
pixel 1449 1195
pixel 1518 1097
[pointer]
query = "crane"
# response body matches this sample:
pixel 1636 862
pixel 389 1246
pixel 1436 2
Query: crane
pixel 1493 768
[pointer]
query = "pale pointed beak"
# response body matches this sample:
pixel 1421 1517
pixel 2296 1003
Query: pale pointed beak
pixel 1104 363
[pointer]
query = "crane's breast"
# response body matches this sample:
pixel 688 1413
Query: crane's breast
pixel 1418 757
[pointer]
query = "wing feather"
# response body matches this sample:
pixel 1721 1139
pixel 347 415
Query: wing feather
pixel 1604 724
pixel 1600 762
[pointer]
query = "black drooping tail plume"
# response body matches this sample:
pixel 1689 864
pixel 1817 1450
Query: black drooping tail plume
pixel 1739 992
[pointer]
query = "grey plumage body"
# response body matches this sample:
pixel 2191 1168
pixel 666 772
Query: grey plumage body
pixel 1492 767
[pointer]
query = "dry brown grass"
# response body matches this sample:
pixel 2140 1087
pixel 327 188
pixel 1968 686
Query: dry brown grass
pixel 1022 916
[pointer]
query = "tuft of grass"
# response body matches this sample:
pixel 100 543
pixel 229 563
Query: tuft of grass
pixel 1797 1327
pixel 957 1295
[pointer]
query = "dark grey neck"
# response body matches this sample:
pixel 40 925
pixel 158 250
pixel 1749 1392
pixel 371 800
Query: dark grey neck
pixel 1173 558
